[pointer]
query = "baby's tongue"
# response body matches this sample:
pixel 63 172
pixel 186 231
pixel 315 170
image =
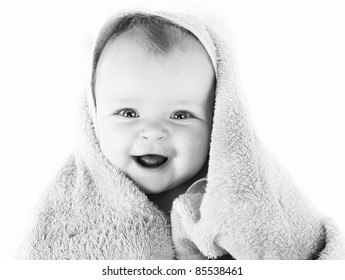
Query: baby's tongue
pixel 151 160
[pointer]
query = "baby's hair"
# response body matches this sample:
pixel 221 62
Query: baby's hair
pixel 156 34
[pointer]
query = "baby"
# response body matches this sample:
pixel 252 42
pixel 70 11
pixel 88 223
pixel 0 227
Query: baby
pixel 168 166
pixel 154 91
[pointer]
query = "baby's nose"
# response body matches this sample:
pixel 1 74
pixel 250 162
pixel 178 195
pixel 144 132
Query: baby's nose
pixel 153 132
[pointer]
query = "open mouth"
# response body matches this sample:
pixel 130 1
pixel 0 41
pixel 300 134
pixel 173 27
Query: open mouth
pixel 151 161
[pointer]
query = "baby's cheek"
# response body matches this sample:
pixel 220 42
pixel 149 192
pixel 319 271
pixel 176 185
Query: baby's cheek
pixel 113 143
pixel 196 145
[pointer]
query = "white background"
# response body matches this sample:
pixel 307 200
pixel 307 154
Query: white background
pixel 290 56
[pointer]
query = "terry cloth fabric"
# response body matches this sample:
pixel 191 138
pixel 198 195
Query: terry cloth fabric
pixel 248 207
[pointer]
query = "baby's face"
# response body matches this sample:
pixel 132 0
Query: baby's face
pixel 154 112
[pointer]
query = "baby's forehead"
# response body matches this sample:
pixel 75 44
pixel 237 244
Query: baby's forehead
pixel 126 41
pixel 128 70
pixel 127 49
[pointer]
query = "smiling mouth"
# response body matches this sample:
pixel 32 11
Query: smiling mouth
pixel 151 161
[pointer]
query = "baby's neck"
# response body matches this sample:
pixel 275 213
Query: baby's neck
pixel 165 199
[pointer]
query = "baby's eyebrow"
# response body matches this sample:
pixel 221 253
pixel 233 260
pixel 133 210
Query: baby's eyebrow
pixel 128 99
pixel 187 103
pixel 123 99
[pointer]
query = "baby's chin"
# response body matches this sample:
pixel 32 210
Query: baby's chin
pixel 176 187
pixel 153 187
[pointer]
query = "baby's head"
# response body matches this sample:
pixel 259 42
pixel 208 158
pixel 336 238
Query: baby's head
pixel 154 92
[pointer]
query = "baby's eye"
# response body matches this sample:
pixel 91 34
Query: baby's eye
pixel 180 115
pixel 127 113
